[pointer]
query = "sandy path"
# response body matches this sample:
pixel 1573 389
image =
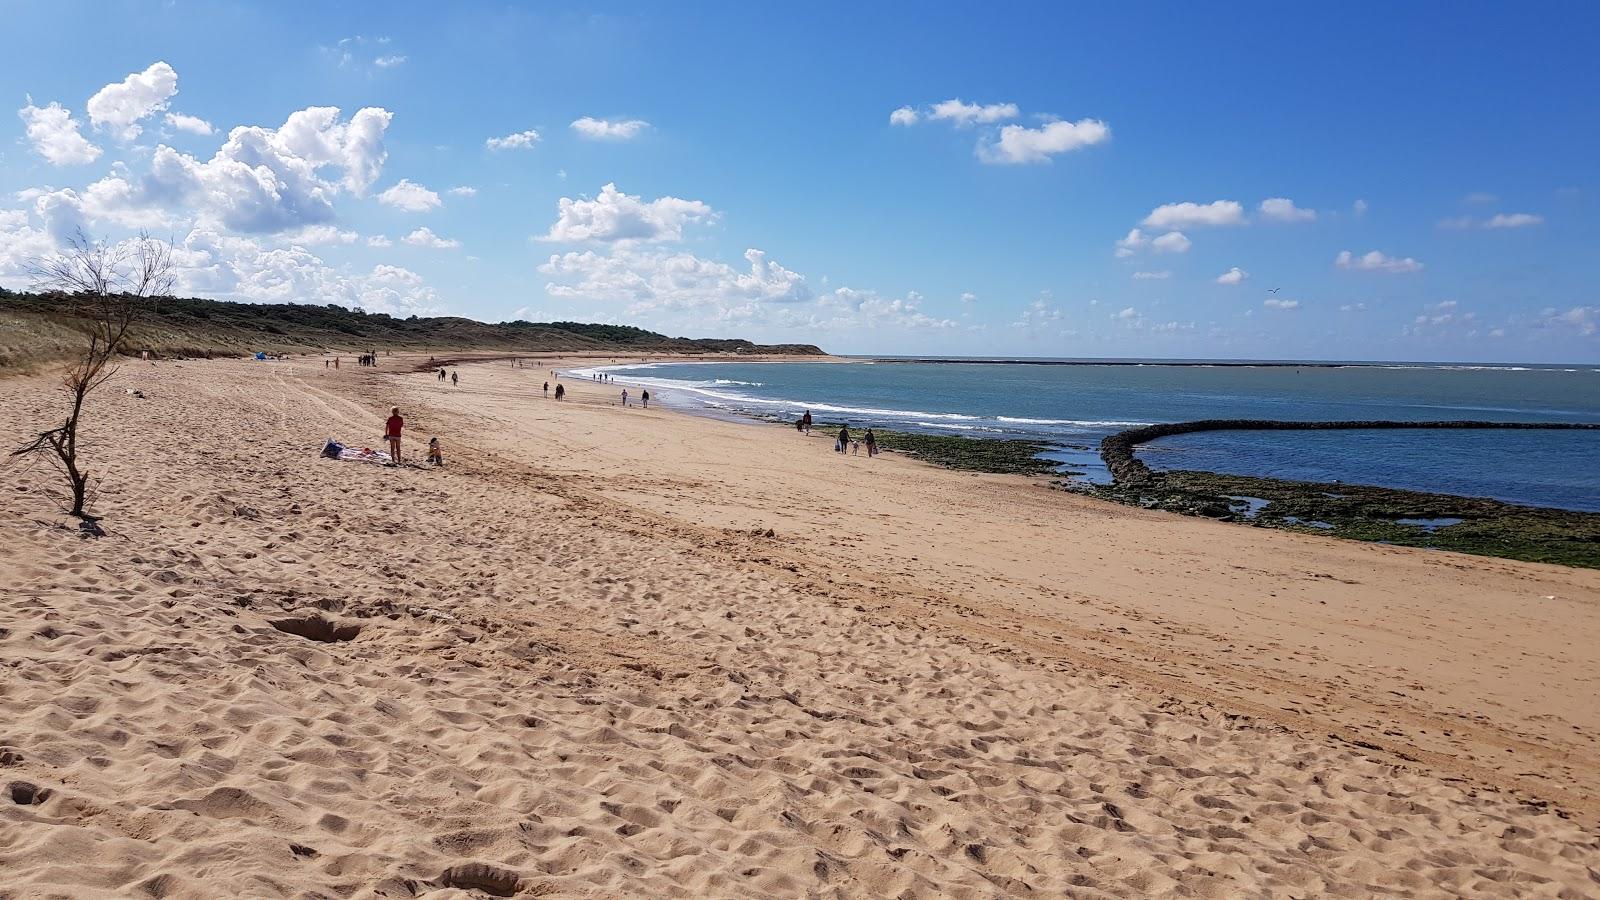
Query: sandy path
pixel 577 672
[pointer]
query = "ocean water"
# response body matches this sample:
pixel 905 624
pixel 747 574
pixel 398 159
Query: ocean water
pixel 1077 405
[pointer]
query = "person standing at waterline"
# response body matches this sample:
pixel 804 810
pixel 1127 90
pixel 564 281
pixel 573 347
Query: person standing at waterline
pixel 624 398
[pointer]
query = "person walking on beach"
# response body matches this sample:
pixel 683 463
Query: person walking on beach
pixel 561 391
pixel 441 373
pixel 871 440
pixel 455 379
pixel 805 422
pixel 843 442
pixel 547 390
pixel 644 398
pixel 391 433
pixel 624 398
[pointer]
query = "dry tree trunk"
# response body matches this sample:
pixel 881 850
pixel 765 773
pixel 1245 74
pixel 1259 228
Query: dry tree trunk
pixel 101 285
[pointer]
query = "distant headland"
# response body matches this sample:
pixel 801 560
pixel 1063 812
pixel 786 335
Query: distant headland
pixel 34 329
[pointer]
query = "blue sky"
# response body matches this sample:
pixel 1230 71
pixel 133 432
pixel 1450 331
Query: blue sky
pixel 1385 181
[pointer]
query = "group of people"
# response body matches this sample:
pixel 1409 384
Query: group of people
pixel 844 443
pixel 365 359
pixel 392 430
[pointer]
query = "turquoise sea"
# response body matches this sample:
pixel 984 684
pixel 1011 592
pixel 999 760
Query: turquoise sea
pixel 1076 403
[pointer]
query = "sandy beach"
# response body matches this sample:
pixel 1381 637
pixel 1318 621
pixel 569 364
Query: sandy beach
pixel 612 652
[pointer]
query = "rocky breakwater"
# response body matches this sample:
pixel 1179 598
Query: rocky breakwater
pixel 1476 525
pixel 1127 470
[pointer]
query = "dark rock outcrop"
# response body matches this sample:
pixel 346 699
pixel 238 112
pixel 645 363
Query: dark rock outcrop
pixel 1126 469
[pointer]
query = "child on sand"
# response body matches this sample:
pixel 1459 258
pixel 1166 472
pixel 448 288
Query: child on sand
pixel 435 453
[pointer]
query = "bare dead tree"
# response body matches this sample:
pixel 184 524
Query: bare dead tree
pixel 101 286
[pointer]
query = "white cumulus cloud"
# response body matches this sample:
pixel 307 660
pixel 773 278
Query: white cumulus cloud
pixel 905 115
pixel 1282 209
pixel 1513 220
pixel 260 180
pixel 660 280
pixel 604 130
pixel 962 113
pixel 1585 320
pixel 191 124
pixel 1189 215
pixel 617 218
pixel 311 235
pixel 1018 144
pixel 1234 275
pixel 409 196
pixel 463 191
pixel 1039 314
pixel 119 107
pixel 54 134
pixel 1376 262
pixel 1171 242
pixel 1131 244
pixel 424 237
pixel 522 140
pixel 1499 220
pixel 230 267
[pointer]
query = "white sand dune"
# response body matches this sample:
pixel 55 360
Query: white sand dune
pixel 574 663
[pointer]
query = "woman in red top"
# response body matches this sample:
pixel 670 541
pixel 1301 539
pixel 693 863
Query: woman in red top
pixel 391 432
